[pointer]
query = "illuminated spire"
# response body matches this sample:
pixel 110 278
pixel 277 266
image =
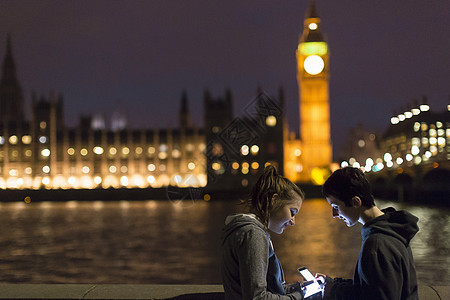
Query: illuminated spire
pixel 312 11
pixel 312 31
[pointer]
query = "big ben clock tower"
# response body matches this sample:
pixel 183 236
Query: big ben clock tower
pixel 313 82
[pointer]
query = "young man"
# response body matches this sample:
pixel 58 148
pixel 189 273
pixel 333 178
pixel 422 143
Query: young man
pixel 385 267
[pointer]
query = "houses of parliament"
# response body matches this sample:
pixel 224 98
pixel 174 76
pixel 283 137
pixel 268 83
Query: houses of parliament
pixel 228 152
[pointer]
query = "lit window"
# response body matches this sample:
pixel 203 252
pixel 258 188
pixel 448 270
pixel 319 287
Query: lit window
pixel 162 168
pixel 361 143
pixel 189 147
pixel 123 169
pixel 28 171
pixel 43 125
pixel 399 160
pixel 124 180
pixel 150 179
pixel 415 150
pixel 439 124
pixel 244 150
pixel 13 172
pixel 43 139
pixel 176 153
pixel 125 150
pixel 85 170
pixel 151 167
pixel 138 150
pixel 83 152
pixel 2 140
pixel 45 152
pixel 409 157
pixel 255 165
pixel 215 129
pixel 254 149
pixel 235 165
pixel 97 180
pixel 163 148
pixel 46 169
pixel 26 139
pixel 162 155
pixel 271 121
pixel 45 180
pixel 297 152
pixel 151 150
pixel 191 166
pixel 98 150
pixel 112 169
pixel 71 180
pixel 245 165
pixel 13 139
pixel 112 151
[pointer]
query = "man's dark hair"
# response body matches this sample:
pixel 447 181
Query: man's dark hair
pixel 346 183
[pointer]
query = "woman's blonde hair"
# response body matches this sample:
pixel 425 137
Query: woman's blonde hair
pixel 261 201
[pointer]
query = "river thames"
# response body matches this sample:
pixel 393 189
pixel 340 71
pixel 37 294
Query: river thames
pixel 178 242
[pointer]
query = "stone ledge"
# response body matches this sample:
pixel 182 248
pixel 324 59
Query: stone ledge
pixel 147 291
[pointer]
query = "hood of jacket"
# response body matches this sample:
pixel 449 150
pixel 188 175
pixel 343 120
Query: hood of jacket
pixel 399 224
pixel 234 222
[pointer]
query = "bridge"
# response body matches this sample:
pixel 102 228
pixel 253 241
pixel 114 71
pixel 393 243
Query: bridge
pixel 427 182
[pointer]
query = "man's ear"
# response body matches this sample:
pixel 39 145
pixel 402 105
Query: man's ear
pixel 356 201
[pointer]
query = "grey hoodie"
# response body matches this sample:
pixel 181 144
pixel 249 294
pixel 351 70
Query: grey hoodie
pixel 250 268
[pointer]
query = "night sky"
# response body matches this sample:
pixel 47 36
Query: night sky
pixel 138 56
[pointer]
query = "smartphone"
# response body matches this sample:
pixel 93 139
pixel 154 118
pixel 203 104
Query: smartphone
pixel 312 288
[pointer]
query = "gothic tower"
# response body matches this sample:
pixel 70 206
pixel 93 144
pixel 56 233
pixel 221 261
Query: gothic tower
pixel 313 81
pixel 11 98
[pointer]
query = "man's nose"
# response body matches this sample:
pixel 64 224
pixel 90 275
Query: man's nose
pixel 335 213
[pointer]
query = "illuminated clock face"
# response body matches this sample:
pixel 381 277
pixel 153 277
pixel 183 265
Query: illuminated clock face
pixel 313 64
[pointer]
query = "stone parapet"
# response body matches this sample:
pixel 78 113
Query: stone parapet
pixel 147 291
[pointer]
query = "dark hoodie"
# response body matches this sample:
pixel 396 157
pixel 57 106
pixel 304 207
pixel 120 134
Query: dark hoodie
pixel 385 267
pixel 250 268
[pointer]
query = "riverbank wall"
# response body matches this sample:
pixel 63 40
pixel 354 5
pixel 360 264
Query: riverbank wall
pixel 142 291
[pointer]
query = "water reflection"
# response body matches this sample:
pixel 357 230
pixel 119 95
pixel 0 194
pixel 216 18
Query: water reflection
pixel 171 242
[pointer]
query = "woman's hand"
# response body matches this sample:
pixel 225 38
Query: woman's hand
pixel 293 287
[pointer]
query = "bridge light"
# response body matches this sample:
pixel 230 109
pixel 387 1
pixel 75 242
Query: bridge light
pixel 401 117
pixel 408 114
pixel 424 107
pixel 394 120
pixel 387 157
pixel 415 111
pixel 417 160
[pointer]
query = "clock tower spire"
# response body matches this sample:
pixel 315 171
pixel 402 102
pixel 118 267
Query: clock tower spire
pixel 313 81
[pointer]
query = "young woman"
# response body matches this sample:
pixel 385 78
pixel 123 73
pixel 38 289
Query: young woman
pixel 250 268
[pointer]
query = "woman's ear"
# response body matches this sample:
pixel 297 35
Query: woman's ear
pixel 274 199
pixel 356 201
